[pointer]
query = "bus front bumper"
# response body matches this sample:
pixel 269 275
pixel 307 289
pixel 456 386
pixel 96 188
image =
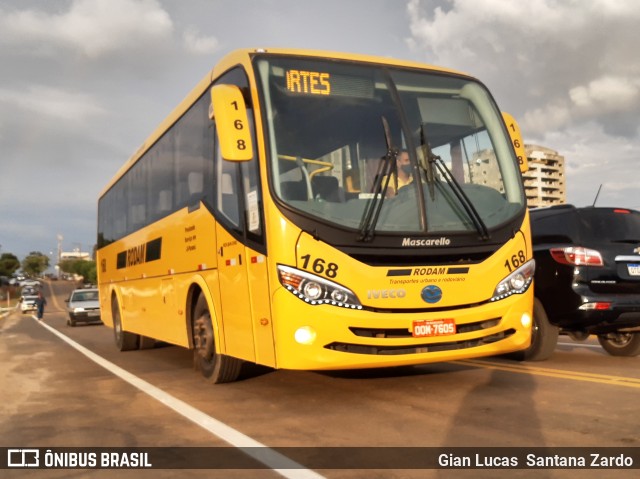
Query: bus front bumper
pixel 325 337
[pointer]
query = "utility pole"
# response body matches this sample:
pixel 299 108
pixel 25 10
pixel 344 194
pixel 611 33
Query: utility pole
pixel 60 238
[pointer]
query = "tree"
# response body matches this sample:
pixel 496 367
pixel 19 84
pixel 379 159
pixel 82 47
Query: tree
pixel 9 264
pixel 69 265
pixel 81 267
pixel 88 271
pixel 35 264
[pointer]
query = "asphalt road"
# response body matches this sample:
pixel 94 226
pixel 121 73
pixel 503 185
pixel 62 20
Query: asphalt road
pixel 54 394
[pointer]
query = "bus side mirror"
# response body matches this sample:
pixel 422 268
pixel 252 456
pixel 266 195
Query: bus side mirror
pixel 516 140
pixel 230 114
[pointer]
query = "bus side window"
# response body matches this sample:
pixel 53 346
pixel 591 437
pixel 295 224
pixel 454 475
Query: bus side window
pixel 227 196
pixel 136 217
pixel 164 201
pixel 182 193
pixel 195 182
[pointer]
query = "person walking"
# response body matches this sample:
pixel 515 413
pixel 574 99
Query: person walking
pixel 40 304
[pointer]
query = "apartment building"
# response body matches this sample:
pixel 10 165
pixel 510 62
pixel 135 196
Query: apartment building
pixel 544 182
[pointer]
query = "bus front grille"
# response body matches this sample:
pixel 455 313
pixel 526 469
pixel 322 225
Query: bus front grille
pixel 406 333
pixel 419 348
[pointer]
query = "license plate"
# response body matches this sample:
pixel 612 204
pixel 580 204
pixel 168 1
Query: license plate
pixel 634 269
pixel 437 327
pixel 93 313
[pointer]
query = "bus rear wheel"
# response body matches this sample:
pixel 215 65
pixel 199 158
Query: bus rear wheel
pixel 125 341
pixel 215 367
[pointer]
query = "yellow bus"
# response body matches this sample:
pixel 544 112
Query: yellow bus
pixel 316 210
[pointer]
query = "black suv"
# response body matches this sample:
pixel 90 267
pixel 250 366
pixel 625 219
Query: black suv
pixel 587 278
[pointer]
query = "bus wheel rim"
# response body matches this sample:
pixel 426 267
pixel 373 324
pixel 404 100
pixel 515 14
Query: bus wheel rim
pixel 203 337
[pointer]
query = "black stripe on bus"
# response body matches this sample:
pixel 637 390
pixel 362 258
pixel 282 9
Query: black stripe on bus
pixel 457 270
pixel 121 262
pixel 399 272
pixel 154 250
pixel 132 256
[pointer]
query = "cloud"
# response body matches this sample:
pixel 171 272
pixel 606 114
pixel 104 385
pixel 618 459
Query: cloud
pixel 608 93
pixel 593 157
pixel 562 60
pixel 52 102
pixel 85 81
pixel 91 27
pixel 197 43
pixel 549 117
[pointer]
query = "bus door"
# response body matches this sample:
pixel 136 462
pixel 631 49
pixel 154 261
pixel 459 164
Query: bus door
pixel 234 295
pixel 242 268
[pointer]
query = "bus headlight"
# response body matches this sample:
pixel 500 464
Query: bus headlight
pixel 315 290
pixel 517 282
pixel 312 290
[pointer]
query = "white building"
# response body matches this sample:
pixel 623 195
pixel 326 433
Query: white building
pixel 76 254
pixel 544 182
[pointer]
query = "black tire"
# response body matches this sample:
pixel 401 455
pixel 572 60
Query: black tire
pixel 578 335
pixel 544 337
pixel 71 322
pixel 125 341
pixel 620 344
pixel 145 342
pixel 215 367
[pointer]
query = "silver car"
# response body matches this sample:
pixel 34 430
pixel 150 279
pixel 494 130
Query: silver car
pixel 84 307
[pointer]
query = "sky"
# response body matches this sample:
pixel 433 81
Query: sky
pixel 84 82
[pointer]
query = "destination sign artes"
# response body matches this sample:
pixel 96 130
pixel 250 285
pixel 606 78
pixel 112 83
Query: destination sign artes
pixel 307 82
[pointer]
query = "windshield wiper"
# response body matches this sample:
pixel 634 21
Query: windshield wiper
pixel 428 154
pixel 386 169
pixel 439 164
pixel 464 200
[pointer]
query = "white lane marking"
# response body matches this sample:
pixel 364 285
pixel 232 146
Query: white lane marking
pixel 274 460
pixel 581 345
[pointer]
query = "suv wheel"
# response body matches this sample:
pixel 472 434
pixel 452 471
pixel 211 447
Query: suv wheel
pixel 578 335
pixel 620 344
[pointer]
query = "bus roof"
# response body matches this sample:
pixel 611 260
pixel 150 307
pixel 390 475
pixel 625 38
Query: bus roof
pixel 244 56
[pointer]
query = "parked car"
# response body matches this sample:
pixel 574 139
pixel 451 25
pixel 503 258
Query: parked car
pixel 587 278
pixel 28 302
pixel 83 306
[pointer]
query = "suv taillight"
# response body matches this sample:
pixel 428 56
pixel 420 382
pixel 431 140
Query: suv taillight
pixel 577 256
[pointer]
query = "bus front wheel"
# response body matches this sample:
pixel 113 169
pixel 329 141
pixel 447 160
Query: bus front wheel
pixel 215 367
pixel 544 337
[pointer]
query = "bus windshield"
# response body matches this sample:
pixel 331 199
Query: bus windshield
pixel 383 150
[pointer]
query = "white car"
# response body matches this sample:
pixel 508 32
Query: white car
pixel 28 303
pixel 83 307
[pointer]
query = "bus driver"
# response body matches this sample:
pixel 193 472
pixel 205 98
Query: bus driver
pixel 403 172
